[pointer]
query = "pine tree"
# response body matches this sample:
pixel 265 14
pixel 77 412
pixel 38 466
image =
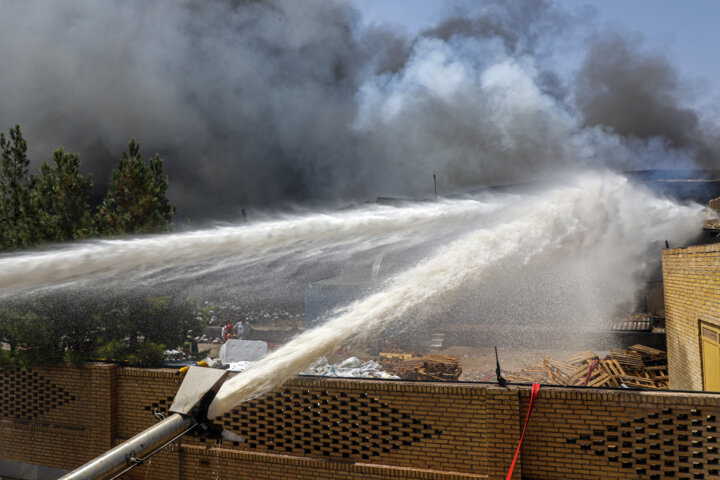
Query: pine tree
pixel 17 221
pixel 61 198
pixel 136 201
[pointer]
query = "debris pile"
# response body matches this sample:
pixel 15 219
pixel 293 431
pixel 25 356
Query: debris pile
pixel 409 366
pixel 175 355
pixel 239 366
pixel 712 224
pixel 637 367
pixel 352 367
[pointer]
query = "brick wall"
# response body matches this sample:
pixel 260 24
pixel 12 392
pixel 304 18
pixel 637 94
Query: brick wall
pixel 316 428
pixel 439 428
pixel 691 278
pixel 604 434
pixel 44 417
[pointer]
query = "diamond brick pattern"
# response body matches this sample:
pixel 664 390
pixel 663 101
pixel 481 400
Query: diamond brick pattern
pixel 318 424
pixel 350 425
pixel 28 395
pixel 162 406
pixel 670 443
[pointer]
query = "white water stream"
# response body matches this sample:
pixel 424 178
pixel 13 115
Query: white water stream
pixel 227 245
pixel 601 217
pixel 596 212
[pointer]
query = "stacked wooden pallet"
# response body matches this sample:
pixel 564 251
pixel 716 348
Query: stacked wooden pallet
pixel 637 367
pixel 425 367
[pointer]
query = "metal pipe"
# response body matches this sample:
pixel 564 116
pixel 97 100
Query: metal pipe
pixel 134 451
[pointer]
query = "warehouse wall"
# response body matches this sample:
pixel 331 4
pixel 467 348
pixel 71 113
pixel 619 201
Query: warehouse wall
pixel 691 278
pixel 316 428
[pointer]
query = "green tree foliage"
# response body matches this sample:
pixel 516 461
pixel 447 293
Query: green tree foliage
pixel 17 227
pixel 61 198
pixel 136 201
pixel 54 206
pixel 131 327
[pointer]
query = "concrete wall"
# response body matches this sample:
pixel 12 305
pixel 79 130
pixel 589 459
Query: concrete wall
pixel 315 428
pixel 691 278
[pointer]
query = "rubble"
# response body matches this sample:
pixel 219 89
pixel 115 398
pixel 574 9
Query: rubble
pixel 222 313
pixel 637 367
pixel 351 367
pixel 174 355
pixel 239 366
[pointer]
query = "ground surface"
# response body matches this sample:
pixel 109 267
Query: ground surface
pixel 479 362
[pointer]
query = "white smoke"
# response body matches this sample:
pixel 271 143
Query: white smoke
pixel 468 110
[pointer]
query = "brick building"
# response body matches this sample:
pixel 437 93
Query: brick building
pixel 691 279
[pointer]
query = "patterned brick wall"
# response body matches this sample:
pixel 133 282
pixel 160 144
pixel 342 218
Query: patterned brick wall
pixel 44 416
pixel 691 279
pixel 600 434
pixel 439 428
pixel 315 428
pixel 319 428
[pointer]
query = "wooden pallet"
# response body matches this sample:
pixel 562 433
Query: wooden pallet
pixel 579 358
pixel 636 367
pixel 425 367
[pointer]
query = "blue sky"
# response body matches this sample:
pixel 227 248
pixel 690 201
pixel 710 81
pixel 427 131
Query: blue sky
pixel 686 32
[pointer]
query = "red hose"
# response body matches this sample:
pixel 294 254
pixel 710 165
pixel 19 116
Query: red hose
pixel 533 396
pixel 592 367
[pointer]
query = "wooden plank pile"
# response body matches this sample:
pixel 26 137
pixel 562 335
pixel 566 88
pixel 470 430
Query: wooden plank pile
pixel 637 367
pixel 409 366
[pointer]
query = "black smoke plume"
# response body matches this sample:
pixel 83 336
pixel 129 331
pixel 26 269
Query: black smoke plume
pixel 267 103
pixel 640 95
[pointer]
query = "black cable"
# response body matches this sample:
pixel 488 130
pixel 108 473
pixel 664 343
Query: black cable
pixel 501 381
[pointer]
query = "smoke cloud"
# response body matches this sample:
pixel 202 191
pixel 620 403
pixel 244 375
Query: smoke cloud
pixel 267 103
pixel 641 96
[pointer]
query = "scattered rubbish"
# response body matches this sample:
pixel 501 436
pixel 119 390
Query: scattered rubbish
pixel 352 362
pixel 351 367
pixel 213 362
pixel 237 366
pixel 174 355
pixel 636 367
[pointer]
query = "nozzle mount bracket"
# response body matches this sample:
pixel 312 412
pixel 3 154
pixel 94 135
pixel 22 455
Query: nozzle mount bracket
pixel 198 382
